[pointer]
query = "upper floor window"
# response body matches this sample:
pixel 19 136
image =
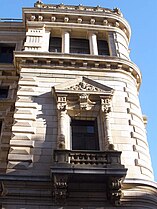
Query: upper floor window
pixel 6 52
pixel 80 46
pixel 55 44
pixel 103 47
pixel 84 135
pixel 4 92
pixel 66 43
pixel 0 126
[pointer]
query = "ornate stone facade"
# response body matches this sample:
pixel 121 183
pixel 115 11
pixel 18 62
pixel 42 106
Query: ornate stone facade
pixel 71 77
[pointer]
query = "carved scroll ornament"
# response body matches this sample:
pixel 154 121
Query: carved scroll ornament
pixel 83 86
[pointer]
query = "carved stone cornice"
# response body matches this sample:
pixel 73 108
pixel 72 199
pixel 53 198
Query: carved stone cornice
pixel 40 4
pixel 63 11
pixel 100 63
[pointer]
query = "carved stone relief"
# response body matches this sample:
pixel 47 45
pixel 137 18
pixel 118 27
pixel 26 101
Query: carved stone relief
pixel 84 86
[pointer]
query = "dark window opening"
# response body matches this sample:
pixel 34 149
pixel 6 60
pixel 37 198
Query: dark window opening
pixel 4 92
pixel 103 47
pixel 0 126
pixel 84 135
pixel 79 46
pixel 55 44
pixel 6 52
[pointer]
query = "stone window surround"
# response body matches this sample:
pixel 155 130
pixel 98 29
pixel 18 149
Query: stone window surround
pixel 84 109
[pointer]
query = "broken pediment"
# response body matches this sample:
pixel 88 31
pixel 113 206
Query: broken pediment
pixel 82 85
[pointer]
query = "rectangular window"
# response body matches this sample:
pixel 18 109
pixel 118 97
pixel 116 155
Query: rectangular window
pixel 4 92
pixel 55 44
pixel 0 126
pixel 103 47
pixel 79 46
pixel 84 135
pixel 6 52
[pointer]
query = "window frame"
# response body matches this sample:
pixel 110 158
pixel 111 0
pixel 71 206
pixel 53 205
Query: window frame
pixel 77 47
pixel 58 45
pixel 84 135
pixel 102 51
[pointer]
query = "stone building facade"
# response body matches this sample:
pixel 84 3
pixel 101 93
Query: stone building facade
pixel 72 131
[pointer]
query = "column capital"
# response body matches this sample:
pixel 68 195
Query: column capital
pixel 65 30
pixel 61 103
pixel 106 105
pixel 91 32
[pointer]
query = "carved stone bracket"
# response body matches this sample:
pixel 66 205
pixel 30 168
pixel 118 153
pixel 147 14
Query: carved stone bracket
pixel 60 187
pixel 114 192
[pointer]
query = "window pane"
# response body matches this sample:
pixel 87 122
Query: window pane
pixel 103 47
pixel 0 126
pixel 4 92
pixel 55 44
pixel 79 46
pixel 6 53
pixel 84 135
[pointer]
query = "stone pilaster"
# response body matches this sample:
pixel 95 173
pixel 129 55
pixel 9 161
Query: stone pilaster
pixel 61 106
pixel 106 108
pixel 65 41
pixel 93 43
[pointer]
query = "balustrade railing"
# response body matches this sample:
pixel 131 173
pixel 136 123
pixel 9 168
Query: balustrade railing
pixel 90 158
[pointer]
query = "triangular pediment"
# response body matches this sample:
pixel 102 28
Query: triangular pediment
pixel 82 85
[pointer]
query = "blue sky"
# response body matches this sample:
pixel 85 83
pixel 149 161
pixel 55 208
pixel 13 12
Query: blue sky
pixel 142 17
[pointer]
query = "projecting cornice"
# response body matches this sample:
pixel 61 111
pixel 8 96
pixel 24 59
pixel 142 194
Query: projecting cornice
pixel 78 15
pixel 76 62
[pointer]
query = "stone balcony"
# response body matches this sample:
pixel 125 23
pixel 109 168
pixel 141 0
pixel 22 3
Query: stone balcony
pixel 94 168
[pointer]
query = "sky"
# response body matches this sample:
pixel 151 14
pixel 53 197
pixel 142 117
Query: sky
pixel 142 17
